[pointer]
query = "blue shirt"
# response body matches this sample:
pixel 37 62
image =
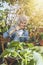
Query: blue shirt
pixel 20 35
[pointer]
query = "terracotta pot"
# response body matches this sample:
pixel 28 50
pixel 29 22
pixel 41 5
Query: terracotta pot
pixel 11 61
pixel 41 42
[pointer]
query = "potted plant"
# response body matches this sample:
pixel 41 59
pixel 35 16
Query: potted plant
pixel 41 40
pixel 19 53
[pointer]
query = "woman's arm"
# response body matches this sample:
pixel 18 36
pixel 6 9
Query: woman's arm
pixel 11 31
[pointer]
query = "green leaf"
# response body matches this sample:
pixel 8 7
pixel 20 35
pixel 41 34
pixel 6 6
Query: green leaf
pixel 30 45
pixel 13 44
pixel 31 62
pixel 4 53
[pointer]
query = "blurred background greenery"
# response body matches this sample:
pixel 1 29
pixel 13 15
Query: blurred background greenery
pixel 33 9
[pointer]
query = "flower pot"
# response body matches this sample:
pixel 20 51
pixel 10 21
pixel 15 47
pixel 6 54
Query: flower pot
pixel 41 42
pixel 11 61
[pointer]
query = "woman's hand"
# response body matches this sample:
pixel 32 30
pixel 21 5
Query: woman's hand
pixel 15 29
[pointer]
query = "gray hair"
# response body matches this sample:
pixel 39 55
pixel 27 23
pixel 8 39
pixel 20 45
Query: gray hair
pixel 22 19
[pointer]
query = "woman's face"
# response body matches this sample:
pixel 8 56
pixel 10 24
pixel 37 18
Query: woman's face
pixel 22 25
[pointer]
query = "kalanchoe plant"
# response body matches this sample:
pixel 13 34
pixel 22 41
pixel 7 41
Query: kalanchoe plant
pixel 22 51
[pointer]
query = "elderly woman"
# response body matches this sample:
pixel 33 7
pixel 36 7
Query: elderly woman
pixel 18 32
